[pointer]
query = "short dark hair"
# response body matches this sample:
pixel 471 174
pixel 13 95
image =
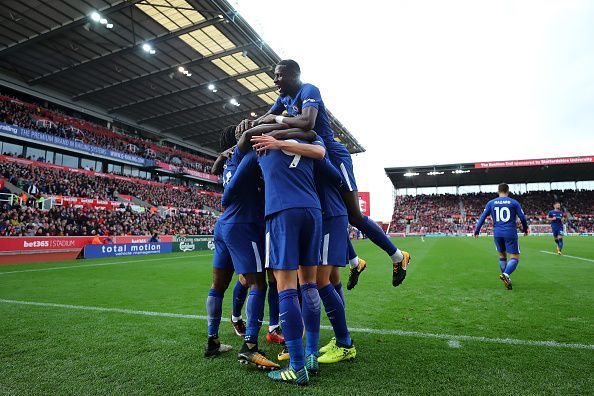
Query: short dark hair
pixel 503 188
pixel 291 65
pixel 227 139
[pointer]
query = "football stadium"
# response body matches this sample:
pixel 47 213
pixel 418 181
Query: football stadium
pixel 180 213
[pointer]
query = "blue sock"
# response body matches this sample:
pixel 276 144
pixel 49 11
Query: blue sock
pixel 376 235
pixel 214 310
pixel 336 314
pixel 272 304
pixel 560 244
pixel 239 294
pixel 340 293
pixel 502 264
pixel 255 313
pixel 292 323
pixel 351 250
pixel 511 266
pixel 311 317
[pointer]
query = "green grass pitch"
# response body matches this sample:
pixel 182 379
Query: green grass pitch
pixel 417 344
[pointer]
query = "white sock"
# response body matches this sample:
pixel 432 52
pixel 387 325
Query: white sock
pixel 506 275
pixel 235 318
pixel 397 256
pixel 272 328
pixel 354 262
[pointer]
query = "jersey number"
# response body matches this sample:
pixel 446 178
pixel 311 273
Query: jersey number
pixel 502 214
pixel 296 157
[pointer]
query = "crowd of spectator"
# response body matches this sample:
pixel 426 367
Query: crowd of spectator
pixel 56 123
pixel 18 220
pixel 457 214
pixel 52 181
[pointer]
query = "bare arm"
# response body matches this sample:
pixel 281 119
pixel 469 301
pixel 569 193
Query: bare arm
pixel 306 120
pixel 293 133
pixel 244 143
pixel 264 142
pixel 217 167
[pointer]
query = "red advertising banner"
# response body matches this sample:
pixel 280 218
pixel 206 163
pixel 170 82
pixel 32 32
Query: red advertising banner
pixel 535 162
pixel 364 203
pixel 43 244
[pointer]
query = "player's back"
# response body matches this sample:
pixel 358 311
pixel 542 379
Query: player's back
pixel 503 211
pixel 327 181
pixel 289 181
pixel 247 205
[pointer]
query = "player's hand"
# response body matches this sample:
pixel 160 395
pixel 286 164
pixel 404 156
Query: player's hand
pixel 525 233
pixel 475 236
pixel 263 143
pixel 278 134
pixel 243 126
pixel 227 153
pixel 269 119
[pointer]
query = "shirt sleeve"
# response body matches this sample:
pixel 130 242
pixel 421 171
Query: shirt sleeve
pixel 278 107
pixel 310 96
pixel 522 217
pixel 481 220
pixel 241 176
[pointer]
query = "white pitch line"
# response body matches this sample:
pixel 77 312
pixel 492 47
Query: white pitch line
pixel 573 257
pixel 96 265
pixel 405 333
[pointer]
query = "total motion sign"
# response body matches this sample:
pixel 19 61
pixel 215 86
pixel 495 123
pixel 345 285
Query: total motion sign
pixel 127 249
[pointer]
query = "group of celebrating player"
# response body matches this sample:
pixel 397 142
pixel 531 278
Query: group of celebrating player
pixel 289 195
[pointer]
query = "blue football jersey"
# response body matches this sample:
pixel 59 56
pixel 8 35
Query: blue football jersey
pixel 242 196
pixel 503 212
pixel 558 215
pixel 328 183
pixel 308 95
pixel 289 180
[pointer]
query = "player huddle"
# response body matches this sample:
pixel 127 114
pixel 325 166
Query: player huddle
pixel 289 195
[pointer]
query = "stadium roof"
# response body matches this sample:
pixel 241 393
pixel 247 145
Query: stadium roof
pixel 123 60
pixel 483 173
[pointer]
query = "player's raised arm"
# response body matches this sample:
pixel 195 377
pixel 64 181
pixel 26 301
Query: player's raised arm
pixel 217 167
pixel 293 133
pixel 240 177
pixel 245 140
pixel 482 219
pixel 264 142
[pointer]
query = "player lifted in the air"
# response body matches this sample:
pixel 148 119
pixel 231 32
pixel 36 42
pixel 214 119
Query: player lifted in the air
pixel 503 211
pixel 556 217
pixel 306 110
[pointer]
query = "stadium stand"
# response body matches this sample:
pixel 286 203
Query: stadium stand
pixel 71 126
pixel 457 214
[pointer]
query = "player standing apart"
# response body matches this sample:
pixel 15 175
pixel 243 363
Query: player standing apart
pixel 556 217
pixel 503 211
pixel 306 110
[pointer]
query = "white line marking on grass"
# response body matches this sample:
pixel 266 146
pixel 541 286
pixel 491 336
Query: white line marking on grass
pixel 573 257
pixel 405 333
pixel 98 264
pixel 454 344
